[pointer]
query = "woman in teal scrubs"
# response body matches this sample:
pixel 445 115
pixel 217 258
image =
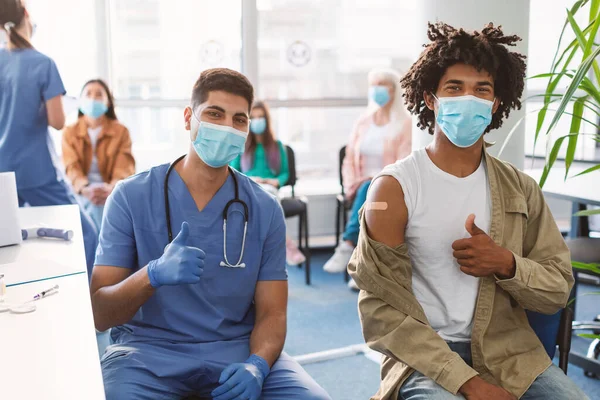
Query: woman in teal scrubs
pixel 265 161
pixel 31 93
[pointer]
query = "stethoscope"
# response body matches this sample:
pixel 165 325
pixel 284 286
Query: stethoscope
pixel 237 199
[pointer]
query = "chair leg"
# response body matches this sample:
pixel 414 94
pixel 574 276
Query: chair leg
pixel 564 335
pixel 337 224
pixel 300 236
pixel 307 247
pixel 345 215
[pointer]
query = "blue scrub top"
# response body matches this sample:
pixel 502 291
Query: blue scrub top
pixel 28 79
pixel 220 307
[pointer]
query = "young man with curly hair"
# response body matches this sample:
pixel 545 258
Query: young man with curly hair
pixel 455 244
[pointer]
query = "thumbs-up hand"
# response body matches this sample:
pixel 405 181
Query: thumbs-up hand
pixel 480 256
pixel 179 264
pixel 473 229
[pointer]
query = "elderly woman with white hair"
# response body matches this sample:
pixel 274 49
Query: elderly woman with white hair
pixel 381 136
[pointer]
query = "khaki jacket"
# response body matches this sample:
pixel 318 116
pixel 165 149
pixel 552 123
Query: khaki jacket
pixel 505 350
pixel 113 152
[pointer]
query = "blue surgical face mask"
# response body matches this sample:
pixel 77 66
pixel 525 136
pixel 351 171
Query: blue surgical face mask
pixel 92 108
pixel 463 119
pixel 218 145
pixel 379 94
pixel 258 126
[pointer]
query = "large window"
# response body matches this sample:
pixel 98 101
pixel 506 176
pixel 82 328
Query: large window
pixel 159 47
pixel 66 31
pixel 312 49
pixel 319 52
pixel 308 58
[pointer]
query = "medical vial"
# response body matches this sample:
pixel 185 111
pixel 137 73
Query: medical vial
pixel 2 288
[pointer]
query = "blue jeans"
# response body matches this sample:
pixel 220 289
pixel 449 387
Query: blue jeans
pixel 95 212
pixel 353 225
pixel 551 384
pixel 58 193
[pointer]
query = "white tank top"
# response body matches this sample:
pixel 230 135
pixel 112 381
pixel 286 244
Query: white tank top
pixel 371 148
pixel 438 205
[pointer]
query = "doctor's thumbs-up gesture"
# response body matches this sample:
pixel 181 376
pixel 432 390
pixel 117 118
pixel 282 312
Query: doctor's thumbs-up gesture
pixel 179 264
pixel 480 256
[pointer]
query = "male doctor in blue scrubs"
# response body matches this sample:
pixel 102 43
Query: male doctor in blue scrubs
pixel 203 315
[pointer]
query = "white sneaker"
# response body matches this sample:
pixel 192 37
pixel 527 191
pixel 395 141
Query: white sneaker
pixel 339 261
pixel 352 285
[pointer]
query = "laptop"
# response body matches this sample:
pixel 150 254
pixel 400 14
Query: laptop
pixel 10 229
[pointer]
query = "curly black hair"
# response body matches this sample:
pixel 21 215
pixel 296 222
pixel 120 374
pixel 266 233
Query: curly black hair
pixel 485 50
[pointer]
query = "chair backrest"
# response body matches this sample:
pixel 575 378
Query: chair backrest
pixel 546 328
pixel 292 168
pixel 555 329
pixel 342 155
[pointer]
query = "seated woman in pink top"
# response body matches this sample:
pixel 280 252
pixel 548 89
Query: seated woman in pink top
pixel 380 137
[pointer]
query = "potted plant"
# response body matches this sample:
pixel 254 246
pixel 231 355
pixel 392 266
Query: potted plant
pixel 575 64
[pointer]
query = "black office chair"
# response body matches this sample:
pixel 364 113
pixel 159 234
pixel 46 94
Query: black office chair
pixel 343 206
pixel 563 339
pixel 297 207
pixel 586 250
pixel 555 331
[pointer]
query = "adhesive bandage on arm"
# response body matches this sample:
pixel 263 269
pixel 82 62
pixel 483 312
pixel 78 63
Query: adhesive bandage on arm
pixel 377 205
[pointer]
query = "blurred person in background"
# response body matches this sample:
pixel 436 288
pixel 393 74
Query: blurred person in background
pixel 265 161
pixel 31 92
pixel 380 137
pixel 96 149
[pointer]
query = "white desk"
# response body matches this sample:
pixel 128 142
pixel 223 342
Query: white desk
pixel 52 352
pixel 61 217
pixel 581 191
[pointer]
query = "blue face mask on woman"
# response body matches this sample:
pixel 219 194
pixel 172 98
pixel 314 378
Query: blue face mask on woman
pixel 463 119
pixel 258 125
pixel 379 94
pixel 218 145
pixel 92 108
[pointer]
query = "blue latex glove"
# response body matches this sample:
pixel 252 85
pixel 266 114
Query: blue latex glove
pixel 242 381
pixel 179 264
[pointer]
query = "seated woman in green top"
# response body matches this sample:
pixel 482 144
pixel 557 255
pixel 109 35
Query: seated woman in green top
pixel 265 161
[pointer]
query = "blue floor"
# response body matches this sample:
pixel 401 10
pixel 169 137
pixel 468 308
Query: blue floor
pixel 324 316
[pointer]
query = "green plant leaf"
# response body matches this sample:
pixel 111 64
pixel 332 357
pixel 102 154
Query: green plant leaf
pixel 520 120
pixel 575 127
pixel 594 7
pixel 587 213
pixel 542 113
pixel 590 105
pixel 551 86
pixel 572 48
pixel 586 267
pixel 588 335
pixel 552 158
pixel 582 119
pixel 575 82
pixel 583 42
pixel 590 45
pixel 587 171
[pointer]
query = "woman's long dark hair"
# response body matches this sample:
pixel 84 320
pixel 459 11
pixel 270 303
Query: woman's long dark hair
pixel 110 113
pixel 269 143
pixel 12 14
